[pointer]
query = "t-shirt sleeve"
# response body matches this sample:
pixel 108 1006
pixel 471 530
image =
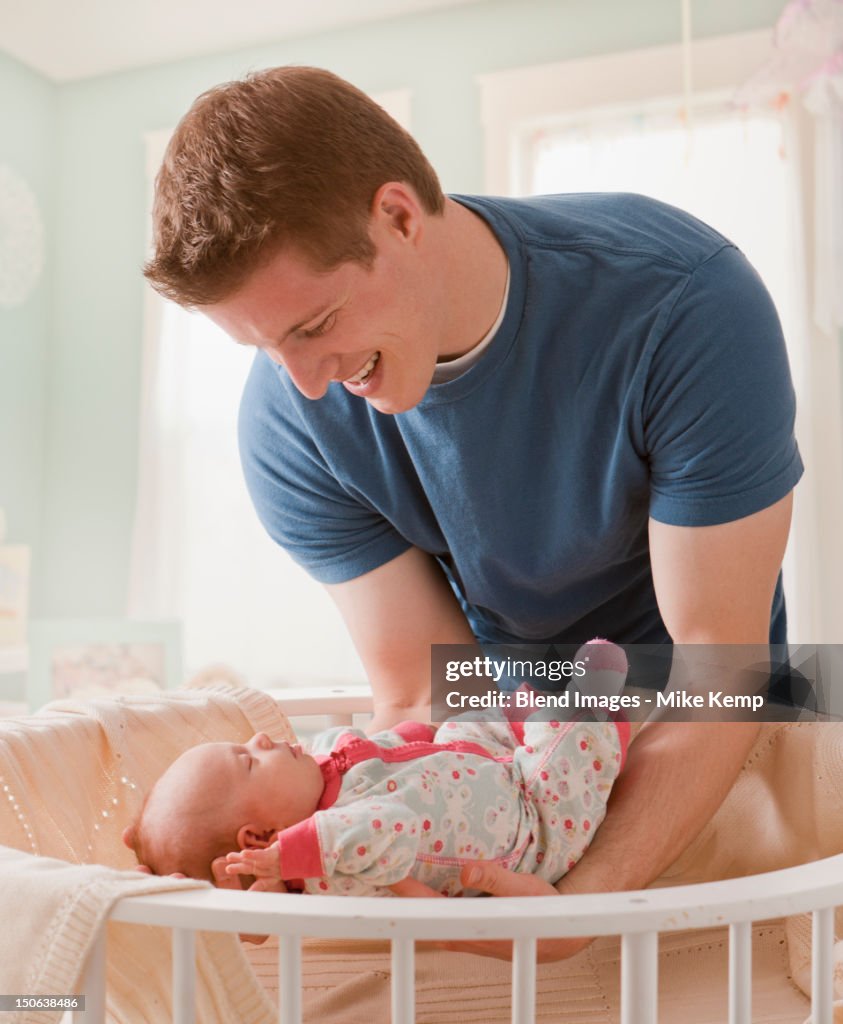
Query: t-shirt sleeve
pixel 328 530
pixel 719 408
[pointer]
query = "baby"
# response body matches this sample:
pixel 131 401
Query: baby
pixel 359 813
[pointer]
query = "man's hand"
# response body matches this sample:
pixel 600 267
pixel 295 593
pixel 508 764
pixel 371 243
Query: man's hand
pixel 145 869
pixel 497 881
pixel 222 880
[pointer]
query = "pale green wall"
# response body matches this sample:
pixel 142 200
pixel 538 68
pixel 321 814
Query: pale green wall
pixel 27 147
pixel 93 379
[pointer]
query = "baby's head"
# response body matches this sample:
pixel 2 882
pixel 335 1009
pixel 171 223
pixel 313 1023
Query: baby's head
pixel 220 797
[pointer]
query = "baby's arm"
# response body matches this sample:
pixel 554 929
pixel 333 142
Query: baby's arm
pixel 375 840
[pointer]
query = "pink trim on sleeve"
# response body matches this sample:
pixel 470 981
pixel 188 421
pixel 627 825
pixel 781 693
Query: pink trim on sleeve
pixel 299 851
pixel 415 732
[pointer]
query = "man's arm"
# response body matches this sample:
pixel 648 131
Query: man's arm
pixel 394 613
pixel 714 586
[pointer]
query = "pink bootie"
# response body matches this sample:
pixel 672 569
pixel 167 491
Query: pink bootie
pixel 606 668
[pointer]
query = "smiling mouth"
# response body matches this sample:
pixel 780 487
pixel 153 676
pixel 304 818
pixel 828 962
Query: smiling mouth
pixel 365 371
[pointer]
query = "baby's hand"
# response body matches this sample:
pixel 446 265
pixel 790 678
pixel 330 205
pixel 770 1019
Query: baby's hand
pixel 259 863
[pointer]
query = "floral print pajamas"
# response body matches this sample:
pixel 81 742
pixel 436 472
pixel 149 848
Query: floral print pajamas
pixel 409 801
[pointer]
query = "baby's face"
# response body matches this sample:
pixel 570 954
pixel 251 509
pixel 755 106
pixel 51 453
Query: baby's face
pixel 266 784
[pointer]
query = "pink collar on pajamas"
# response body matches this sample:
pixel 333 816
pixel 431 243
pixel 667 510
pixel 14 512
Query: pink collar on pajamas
pixel 352 750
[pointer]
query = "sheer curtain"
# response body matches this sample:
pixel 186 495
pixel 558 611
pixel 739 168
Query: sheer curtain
pixel 199 553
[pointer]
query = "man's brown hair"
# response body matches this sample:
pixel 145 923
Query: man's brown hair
pixel 287 157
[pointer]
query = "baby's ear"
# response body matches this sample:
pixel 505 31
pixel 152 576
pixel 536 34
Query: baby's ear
pixel 129 836
pixel 251 838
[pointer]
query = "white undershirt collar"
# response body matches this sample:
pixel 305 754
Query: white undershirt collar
pixel 450 369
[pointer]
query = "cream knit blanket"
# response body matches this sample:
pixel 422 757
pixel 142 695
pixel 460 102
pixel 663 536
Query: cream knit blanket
pixel 71 777
pixel 76 774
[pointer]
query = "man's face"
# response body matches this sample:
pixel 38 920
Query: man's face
pixel 374 331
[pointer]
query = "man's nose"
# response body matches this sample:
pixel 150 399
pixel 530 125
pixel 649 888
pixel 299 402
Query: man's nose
pixel 310 372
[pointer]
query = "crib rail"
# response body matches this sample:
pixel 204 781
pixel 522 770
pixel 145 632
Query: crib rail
pixel 637 916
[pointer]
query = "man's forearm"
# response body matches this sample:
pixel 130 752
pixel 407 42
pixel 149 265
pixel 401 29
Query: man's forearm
pixel 675 778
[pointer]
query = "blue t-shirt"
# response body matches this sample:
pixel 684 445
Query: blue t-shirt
pixel 639 371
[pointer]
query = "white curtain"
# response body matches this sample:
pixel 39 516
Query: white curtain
pixel 200 553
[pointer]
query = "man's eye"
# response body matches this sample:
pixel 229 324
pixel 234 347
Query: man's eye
pixel 321 328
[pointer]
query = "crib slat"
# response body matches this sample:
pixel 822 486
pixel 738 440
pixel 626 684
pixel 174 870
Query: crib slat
pixel 822 968
pixel 740 973
pixel 524 981
pixel 289 980
pixel 93 984
pixel 403 990
pixel 184 976
pixel 639 978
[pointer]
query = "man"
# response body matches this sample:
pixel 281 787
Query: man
pixel 494 420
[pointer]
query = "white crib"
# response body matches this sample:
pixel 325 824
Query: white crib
pixel 638 917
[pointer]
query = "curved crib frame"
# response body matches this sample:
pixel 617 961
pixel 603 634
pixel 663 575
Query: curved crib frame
pixel 637 917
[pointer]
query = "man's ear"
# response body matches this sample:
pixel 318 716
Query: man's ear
pixel 250 837
pixel 129 836
pixel 396 207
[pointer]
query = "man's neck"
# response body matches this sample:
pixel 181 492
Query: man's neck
pixel 475 268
